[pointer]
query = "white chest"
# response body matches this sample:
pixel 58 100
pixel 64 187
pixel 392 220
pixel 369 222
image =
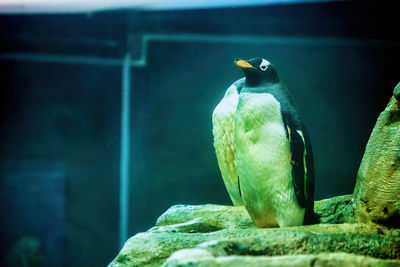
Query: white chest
pixel 259 120
pixel 264 161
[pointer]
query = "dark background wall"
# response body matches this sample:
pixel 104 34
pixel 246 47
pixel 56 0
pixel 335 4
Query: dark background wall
pixel 60 117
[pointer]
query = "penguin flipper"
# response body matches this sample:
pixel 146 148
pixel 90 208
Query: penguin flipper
pixel 223 121
pixel 310 217
pixel 297 143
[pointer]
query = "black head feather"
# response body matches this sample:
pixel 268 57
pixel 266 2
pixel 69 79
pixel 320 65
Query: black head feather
pixel 258 71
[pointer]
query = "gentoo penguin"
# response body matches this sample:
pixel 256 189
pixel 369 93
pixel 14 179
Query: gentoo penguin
pixel 274 159
pixel 223 121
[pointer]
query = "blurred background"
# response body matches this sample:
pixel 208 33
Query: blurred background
pixel 106 111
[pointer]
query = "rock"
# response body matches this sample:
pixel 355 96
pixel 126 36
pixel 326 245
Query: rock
pixel 396 92
pixel 219 217
pixel 228 231
pixel 376 196
pixel 201 257
pixel 327 209
pixel 207 216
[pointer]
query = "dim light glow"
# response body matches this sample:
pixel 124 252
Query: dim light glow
pixel 71 6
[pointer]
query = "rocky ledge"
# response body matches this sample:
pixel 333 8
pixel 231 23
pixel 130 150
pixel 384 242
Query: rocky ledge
pixel 214 235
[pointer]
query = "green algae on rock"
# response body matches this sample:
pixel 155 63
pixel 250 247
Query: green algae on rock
pixel 228 230
pixel 203 258
pixel 217 216
pixel 376 196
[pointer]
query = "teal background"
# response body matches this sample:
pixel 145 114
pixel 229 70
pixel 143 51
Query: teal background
pixel 62 120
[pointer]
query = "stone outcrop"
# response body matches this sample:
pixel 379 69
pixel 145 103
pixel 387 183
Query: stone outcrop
pixel 376 196
pixel 227 231
pixel 203 258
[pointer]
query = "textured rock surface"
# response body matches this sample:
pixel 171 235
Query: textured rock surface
pixel 201 257
pixel 222 217
pixel 327 209
pixel 229 231
pixel 376 197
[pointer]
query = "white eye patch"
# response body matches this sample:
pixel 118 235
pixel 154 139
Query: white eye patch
pixel 264 65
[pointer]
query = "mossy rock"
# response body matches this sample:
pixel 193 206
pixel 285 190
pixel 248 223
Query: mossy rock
pixel 229 236
pixel 203 258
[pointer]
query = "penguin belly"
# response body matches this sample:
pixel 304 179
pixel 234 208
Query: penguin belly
pixel 264 163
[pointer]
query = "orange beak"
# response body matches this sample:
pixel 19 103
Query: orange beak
pixel 244 64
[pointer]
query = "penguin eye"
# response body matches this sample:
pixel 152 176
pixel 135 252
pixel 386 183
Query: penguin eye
pixel 263 67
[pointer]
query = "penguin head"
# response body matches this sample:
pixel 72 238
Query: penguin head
pixel 258 71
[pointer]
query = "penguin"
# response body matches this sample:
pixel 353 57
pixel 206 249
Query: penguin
pixel 223 122
pixel 274 160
